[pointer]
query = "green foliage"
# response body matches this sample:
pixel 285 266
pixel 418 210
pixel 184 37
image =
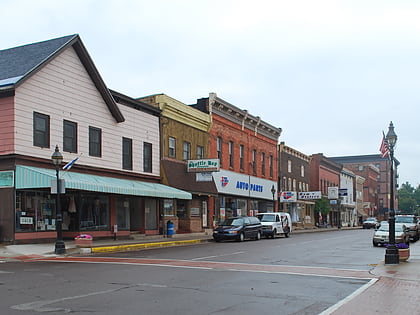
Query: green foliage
pixel 409 199
pixel 322 205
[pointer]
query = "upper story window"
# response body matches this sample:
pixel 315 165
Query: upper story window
pixel 231 156
pixel 254 161
pixel 187 150
pixel 95 141
pixel 289 166
pixel 271 166
pixel 262 163
pixel 219 149
pixel 172 147
pixel 41 136
pixel 147 157
pixel 127 153
pixel 241 156
pixel 200 152
pixel 302 171
pixel 69 136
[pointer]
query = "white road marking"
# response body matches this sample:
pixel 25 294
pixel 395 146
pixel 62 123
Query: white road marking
pixel 215 256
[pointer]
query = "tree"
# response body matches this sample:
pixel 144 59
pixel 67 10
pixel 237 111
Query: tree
pixel 323 205
pixel 409 199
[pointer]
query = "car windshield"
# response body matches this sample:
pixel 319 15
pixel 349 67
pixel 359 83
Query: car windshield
pixel 385 228
pixel 404 220
pixel 267 217
pixel 234 222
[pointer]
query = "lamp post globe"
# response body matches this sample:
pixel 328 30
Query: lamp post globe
pixel 273 191
pixel 60 247
pixel 391 254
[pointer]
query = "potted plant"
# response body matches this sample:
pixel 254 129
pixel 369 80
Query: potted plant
pixel 403 250
pixel 83 240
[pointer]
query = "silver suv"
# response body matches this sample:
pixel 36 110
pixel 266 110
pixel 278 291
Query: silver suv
pixel 411 223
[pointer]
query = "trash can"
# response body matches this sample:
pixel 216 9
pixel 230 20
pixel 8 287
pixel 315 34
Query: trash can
pixel 170 228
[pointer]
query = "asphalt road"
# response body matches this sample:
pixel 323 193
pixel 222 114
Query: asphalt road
pixel 303 274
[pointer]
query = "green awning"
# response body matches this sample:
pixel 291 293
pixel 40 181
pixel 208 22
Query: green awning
pixel 34 177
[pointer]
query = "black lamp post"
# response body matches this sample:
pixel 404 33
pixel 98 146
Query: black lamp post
pixel 391 253
pixel 60 247
pixel 273 191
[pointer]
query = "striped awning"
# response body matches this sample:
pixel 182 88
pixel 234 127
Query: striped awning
pixel 34 177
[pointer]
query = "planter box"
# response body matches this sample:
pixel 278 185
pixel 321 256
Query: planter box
pixel 83 243
pixel 404 254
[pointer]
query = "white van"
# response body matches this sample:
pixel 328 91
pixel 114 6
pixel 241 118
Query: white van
pixel 275 223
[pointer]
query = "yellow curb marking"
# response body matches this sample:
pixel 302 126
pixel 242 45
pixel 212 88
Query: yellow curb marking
pixel 120 248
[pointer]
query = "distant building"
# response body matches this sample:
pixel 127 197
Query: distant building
pixel 294 178
pixel 376 198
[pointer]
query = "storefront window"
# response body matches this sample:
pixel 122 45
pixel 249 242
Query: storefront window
pixel 168 207
pixel 181 209
pixel 94 212
pixel 35 211
pixel 123 213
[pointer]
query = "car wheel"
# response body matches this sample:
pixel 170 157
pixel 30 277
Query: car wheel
pixel 217 240
pixel 258 237
pixel 274 234
pixel 375 244
pixel 241 237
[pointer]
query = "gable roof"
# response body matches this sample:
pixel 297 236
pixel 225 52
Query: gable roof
pixel 19 63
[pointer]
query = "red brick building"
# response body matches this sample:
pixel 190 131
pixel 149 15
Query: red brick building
pixel 247 149
pixel 325 173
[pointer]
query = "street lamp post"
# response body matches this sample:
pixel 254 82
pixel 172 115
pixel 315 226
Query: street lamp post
pixel 60 247
pixel 391 253
pixel 273 191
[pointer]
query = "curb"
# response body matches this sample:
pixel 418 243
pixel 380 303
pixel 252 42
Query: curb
pixel 121 248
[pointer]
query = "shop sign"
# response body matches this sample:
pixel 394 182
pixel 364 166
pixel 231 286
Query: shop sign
pixel 288 196
pixel 232 183
pixel 205 165
pixel 332 192
pixel 309 195
pixel 6 179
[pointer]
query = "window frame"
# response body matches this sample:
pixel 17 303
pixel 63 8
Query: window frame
pixel 95 147
pixel 127 154
pixel 200 152
pixel 186 152
pixel 147 157
pixel 231 154
pixel 241 156
pixel 262 163
pixel 71 137
pixel 38 133
pixel 172 149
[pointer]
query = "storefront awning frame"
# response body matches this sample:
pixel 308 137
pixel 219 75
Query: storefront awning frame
pixel 34 177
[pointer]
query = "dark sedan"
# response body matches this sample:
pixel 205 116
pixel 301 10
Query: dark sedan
pixel 238 229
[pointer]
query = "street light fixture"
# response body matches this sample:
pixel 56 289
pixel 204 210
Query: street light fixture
pixel 391 253
pixel 60 247
pixel 273 191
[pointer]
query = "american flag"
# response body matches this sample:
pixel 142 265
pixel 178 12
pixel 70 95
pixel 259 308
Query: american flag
pixel 384 148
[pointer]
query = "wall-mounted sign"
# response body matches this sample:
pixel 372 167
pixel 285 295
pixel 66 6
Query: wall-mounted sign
pixel 288 196
pixel 342 192
pixel 309 195
pixel 332 192
pixel 237 184
pixel 6 179
pixel 205 165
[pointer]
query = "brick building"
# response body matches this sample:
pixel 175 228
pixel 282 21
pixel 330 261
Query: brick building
pixel 247 149
pixel 294 177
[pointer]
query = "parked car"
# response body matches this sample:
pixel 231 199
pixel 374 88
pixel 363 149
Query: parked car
pixel 411 222
pixel 371 223
pixel 381 235
pixel 275 223
pixel 239 229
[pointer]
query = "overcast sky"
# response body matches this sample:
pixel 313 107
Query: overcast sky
pixel 331 74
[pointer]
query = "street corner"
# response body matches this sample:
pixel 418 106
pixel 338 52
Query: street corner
pixel 405 270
